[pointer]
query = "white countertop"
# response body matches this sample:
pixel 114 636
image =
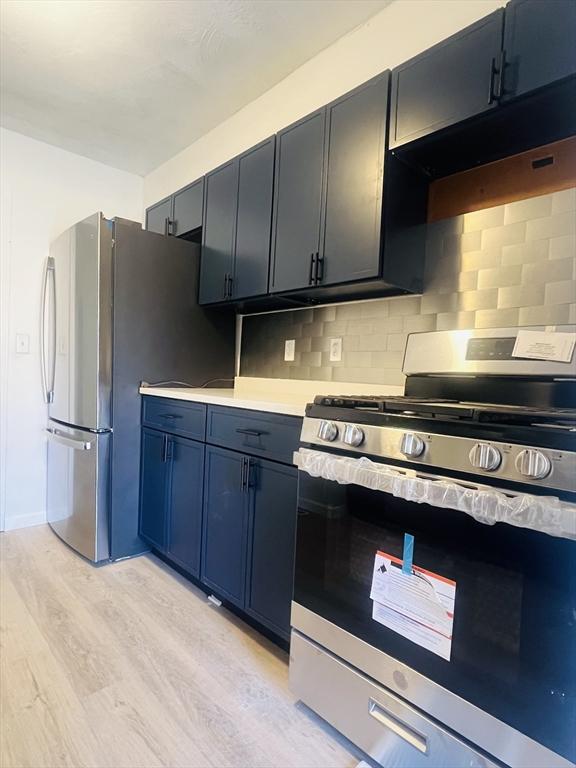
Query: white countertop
pixel 272 395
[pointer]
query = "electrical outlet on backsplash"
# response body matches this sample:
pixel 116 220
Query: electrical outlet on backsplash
pixel 510 265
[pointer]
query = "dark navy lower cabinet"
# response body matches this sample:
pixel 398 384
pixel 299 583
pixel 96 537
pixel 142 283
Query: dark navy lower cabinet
pixel 185 487
pixel 271 544
pixel 225 527
pixel 153 479
pixel 171 486
pixel 223 516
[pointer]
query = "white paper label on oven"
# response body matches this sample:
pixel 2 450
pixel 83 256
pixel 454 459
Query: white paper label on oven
pixel 419 606
pixel 545 345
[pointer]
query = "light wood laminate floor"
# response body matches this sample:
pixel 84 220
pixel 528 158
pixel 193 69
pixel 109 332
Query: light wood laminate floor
pixel 129 665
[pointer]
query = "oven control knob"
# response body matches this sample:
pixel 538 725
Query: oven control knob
pixel 328 431
pixel 485 456
pixel 353 435
pixel 411 445
pixel 533 464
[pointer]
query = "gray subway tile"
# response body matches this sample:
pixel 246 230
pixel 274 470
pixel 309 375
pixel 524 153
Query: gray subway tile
pixel 409 305
pixel 387 360
pixel 396 342
pixel 439 302
pixel 361 327
pixel 552 315
pixel 500 276
pixel 525 253
pixel 498 237
pixel 562 292
pixel 374 342
pixel 520 296
pixel 496 318
pixel 563 247
pixel 484 259
pixel 548 272
pixel 551 226
pixel 389 324
pixel 419 323
pixel 453 321
pixel 374 309
pixel 564 201
pixel 487 217
pixel 467 281
pixel 356 359
pixel 524 210
pixel 472 300
pixel 320 343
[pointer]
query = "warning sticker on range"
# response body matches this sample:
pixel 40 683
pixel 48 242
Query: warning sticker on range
pixel 419 605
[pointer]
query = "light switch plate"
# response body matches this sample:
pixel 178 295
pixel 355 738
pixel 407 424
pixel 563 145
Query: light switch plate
pixel 22 344
pixel 289 350
pixel 335 350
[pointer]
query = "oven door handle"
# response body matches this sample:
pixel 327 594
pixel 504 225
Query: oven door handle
pixel 405 732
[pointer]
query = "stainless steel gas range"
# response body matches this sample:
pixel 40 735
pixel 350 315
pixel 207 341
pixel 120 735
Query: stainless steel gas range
pixel 434 613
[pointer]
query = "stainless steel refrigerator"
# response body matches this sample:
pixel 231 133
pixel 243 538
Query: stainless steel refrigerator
pixel 119 307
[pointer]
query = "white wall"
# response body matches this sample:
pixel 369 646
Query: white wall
pixel 44 190
pixel 398 32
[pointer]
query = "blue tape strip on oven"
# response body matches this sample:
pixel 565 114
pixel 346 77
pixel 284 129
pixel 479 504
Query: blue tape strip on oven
pixel 408 554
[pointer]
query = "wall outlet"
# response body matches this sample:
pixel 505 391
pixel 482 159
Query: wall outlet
pixel 289 350
pixel 22 344
pixel 335 350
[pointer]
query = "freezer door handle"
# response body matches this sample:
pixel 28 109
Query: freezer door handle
pixel 69 442
pixel 385 718
pixel 49 275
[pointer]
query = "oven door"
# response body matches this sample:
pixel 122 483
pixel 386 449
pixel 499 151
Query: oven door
pixel 512 632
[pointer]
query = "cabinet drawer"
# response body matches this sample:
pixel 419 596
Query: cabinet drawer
pixel 262 434
pixel 181 418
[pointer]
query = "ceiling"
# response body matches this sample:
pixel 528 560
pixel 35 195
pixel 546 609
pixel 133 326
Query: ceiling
pixel 132 82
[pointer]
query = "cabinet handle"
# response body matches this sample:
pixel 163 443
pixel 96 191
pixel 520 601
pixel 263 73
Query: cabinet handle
pixel 164 448
pixel 243 474
pixel 168 225
pixel 169 416
pixel 249 474
pixel 497 65
pixel 319 269
pixel 251 432
pixel 311 276
pixel 169 448
pixel 229 295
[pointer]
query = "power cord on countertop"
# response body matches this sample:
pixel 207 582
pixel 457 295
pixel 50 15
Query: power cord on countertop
pixel 181 383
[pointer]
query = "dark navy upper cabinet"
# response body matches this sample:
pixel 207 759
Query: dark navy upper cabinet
pixel 219 229
pixel 187 209
pixel 298 203
pixel 450 82
pixel 153 486
pixel 237 223
pixel 158 217
pixel 356 148
pixel 254 221
pixel 539 44
pixel 180 214
pixel 185 489
pixel 271 544
pixel 225 525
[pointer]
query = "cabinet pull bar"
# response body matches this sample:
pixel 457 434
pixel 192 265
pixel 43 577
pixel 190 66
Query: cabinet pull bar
pixel 169 416
pixel 251 432
pixel 164 448
pixel 311 276
pixel 491 95
pixel 243 474
pixel 319 268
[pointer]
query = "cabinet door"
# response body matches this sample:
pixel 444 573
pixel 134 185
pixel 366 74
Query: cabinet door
pixel 272 533
pixel 186 459
pixel 298 202
pixel 224 539
pixel 153 488
pixel 354 179
pixel 450 82
pixel 188 208
pixel 218 232
pixel 539 44
pixel 254 221
pixel 158 217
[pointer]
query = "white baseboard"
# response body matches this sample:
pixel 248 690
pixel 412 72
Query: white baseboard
pixel 24 521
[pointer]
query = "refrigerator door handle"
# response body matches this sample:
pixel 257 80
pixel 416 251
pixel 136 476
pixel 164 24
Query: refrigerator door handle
pixel 49 275
pixel 69 442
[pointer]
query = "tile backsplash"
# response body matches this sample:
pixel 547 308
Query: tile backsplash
pixel 511 265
